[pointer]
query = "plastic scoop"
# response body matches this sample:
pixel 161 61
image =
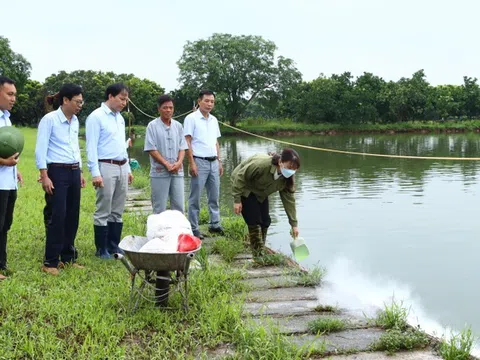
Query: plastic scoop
pixel 299 248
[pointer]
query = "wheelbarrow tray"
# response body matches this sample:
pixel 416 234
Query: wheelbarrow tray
pixel 178 261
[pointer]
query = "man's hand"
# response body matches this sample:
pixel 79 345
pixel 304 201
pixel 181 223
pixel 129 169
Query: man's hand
pixel 237 208
pixel 193 169
pixel 97 182
pixel 82 181
pixel 220 168
pixel 11 161
pixel 130 178
pixel 47 185
pixel 175 167
pixel 20 178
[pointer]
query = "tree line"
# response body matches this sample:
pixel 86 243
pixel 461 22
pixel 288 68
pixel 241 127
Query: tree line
pixel 251 81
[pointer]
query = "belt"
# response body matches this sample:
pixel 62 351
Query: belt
pixel 208 158
pixel 115 162
pixel 74 166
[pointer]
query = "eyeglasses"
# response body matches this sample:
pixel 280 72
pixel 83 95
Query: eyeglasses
pixel 79 102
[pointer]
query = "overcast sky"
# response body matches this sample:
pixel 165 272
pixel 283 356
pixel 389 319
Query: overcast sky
pixel 146 37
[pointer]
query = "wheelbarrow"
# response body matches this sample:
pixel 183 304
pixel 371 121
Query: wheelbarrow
pixel 157 269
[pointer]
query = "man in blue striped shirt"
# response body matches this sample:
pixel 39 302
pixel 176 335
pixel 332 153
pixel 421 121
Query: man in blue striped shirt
pixel 8 172
pixel 58 159
pixel 108 163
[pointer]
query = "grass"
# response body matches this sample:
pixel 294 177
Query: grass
pixel 227 248
pixel 326 308
pixel 459 346
pixel 399 335
pixel 395 340
pixel 276 259
pixel 310 278
pixel 393 316
pixel 326 325
pixel 84 314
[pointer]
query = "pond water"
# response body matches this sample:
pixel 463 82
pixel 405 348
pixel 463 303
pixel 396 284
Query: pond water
pixel 383 226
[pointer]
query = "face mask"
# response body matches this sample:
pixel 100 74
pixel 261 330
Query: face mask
pixel 287 172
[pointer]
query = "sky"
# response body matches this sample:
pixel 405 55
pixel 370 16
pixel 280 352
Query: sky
pixel 391 39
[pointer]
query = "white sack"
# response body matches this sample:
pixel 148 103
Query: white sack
pixel 160 225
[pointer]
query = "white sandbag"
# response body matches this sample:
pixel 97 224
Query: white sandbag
pixel 159 225
pixel 159 246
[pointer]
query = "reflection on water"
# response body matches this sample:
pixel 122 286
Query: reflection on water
pixel 411 222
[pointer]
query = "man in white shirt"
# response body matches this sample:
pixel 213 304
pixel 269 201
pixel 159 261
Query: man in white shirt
pixel 201 132
pixel 8 172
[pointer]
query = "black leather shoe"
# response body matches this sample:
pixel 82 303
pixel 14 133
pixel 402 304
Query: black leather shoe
pixel 199 235
pixel 217 230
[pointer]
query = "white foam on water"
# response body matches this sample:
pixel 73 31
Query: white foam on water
pixel 346 287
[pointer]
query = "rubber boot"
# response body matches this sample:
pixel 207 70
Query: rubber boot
pixel 101 233
pixel 255 236
pixel 264 235
pixel 113 237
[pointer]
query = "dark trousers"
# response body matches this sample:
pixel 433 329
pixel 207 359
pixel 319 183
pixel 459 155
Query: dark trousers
pixel 7 204
pixel 63 208
pixel 255 212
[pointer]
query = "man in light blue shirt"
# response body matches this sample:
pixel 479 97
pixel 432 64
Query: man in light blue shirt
pixel 166 145
pixel 58 159
pixel 201 132
pixel 108 162
pixel 8 172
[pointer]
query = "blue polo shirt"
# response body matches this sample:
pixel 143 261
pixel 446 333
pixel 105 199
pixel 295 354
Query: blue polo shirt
pixel 8 174
pixel 57 140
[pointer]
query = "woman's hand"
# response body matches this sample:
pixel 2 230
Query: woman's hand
pixel 237 208
pixel 295 231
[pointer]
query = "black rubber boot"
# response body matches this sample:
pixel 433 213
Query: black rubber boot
pixel 101 233
pixel 255 236
pixel 264 235
pixel 113 238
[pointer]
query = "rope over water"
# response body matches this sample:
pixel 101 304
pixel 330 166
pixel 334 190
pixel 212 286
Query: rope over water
pixel 415 157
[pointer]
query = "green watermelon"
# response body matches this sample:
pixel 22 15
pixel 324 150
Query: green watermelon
pixel 11 141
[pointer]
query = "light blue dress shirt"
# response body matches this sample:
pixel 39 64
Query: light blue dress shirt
pixel 8 174
pixel 105 131
pixel 57 140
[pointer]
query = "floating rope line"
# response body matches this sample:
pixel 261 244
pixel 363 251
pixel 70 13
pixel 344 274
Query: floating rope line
pixel 415 157
pixel 154 117
pixel 351 152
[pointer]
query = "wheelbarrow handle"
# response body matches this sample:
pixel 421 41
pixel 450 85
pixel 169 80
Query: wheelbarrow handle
pixel 132 269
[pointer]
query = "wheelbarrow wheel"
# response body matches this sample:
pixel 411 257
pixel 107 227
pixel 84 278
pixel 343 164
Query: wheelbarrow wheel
pixel 162 288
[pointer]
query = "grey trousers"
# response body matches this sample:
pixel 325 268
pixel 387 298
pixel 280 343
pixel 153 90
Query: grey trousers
pixel 167 187
pixel 208 178
pixel 111 198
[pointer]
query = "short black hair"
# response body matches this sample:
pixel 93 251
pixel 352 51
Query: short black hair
pixel 6 80
pixel 69 91
pixel 163 99
pixel 204 92
pixel 116 89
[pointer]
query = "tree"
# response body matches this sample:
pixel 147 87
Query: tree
pixel 29 108
pixel 142 92
pixel 471 97
pixel 13 65
pixel 238 68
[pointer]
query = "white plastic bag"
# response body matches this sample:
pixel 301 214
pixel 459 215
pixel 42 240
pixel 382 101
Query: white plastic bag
pixel 160 225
